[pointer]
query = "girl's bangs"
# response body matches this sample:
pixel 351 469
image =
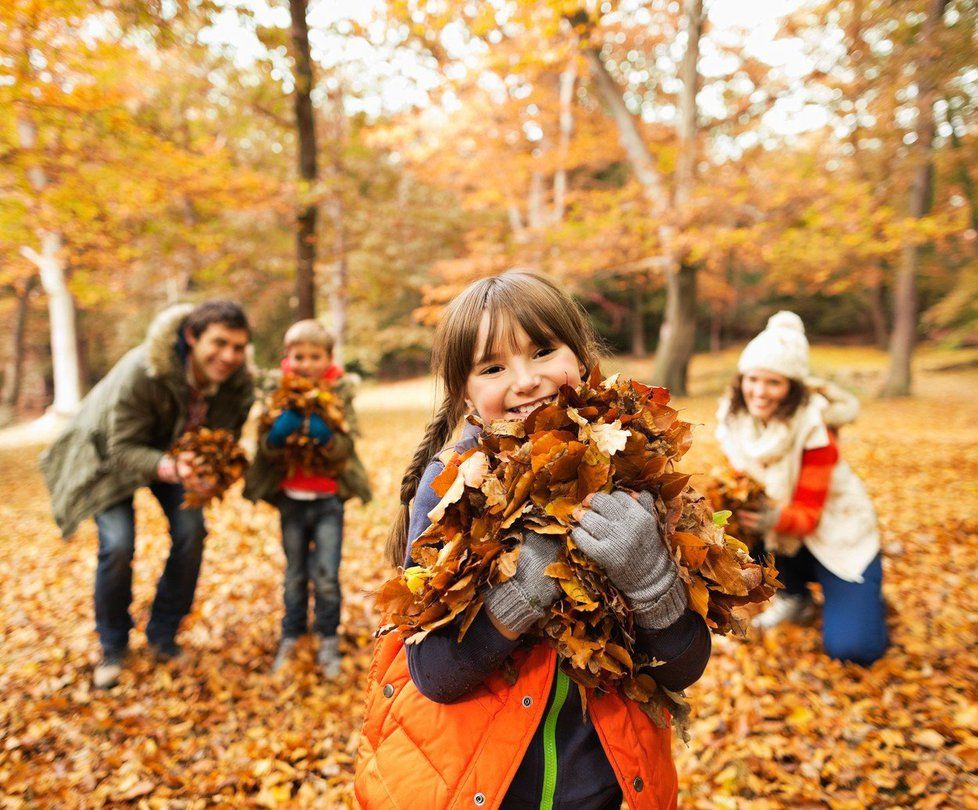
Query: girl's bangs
pixel 507 313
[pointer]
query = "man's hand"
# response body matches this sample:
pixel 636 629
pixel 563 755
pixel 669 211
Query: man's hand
pixel 187 466
pixel 166 470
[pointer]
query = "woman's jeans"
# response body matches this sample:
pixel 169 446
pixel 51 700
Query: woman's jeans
pixel 113 575
pixel 312 535
pixel 854 616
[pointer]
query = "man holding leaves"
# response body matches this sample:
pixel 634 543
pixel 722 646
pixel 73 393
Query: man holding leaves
pixel 188 373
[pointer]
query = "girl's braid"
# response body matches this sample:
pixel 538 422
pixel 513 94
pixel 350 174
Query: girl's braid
pixel 436 436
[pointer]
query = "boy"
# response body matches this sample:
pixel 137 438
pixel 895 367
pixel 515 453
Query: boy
pixel 311 504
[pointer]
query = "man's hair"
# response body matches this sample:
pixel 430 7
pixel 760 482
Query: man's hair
pixel 309 331
pixel 217 310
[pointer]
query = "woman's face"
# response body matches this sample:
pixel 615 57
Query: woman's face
pixel 763 392
pixel 516 379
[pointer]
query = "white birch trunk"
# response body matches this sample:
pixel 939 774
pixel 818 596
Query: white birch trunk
pixel 61 313
pixel 61 306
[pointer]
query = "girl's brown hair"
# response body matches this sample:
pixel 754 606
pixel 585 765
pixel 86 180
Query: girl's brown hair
pixel 796 397
pixel 517 298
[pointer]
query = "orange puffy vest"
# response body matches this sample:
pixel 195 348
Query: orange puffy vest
pixel 414 752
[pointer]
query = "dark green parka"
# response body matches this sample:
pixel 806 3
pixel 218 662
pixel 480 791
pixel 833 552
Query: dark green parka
pixel 125 424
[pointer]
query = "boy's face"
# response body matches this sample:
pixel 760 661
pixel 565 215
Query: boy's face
pixel 516 379
pixel 218 352
pixel 308 360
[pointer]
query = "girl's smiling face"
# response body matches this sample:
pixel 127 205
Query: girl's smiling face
pixel 512 378
pixel 763 392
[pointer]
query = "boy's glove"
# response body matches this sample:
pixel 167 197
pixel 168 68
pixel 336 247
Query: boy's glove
pixel 287 423
pixel 525 597
pixel 319 430
pixel 622 536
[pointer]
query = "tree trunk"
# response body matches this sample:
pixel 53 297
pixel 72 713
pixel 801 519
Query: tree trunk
pixel 877 312
pixel 61 306
pixel 716 332
pixel 338 297
pixel 903 337
pixel 305 276
pixel 638 322
pixel 61 313
pixel 677 337
pixel 534 201
pixel 13 374
pixel 639 157
pixel 568 79
pixel 689 75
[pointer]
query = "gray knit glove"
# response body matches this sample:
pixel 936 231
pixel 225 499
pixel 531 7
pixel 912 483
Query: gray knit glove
pixel 622 536
pixel 525 597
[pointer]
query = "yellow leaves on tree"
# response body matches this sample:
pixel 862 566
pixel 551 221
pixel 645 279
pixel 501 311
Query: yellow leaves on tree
pixel 218 461
pixel 604 435
pixel 307 398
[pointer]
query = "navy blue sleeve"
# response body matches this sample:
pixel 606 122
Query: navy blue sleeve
pixel 683 647
pixel 443 668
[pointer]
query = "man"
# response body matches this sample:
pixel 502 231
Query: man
pixel 189 372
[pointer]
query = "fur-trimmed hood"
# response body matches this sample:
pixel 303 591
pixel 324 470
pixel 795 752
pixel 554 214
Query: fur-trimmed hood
pixel 161 341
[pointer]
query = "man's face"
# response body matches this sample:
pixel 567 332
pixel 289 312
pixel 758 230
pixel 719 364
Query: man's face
pixel 218 352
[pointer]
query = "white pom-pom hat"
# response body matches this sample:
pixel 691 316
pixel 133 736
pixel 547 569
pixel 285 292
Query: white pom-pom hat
pixel 782 348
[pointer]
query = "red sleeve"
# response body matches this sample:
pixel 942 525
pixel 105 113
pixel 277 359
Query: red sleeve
pixel 801 516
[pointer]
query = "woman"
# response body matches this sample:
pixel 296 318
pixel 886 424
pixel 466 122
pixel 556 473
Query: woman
pixel 817 519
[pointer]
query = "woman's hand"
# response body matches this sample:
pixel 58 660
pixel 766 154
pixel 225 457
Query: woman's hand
pixel 760 521
pixel 621 534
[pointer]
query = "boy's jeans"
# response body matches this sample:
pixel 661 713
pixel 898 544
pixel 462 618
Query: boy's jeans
pixel 312 534
pixel 113 576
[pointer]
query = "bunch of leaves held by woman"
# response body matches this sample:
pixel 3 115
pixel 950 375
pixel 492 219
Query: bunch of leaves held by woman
pixel 306 397
pixel 217 461
pixel 730 491
pixel 533 475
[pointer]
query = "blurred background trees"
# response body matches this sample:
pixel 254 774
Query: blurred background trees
pixel 684 176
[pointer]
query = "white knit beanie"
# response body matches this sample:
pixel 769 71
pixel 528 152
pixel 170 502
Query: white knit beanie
pixel 782 348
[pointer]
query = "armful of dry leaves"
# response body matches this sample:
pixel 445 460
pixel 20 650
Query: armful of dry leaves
pixel 729 491
pixel 308 398
pixel 218 461
pixel 532 475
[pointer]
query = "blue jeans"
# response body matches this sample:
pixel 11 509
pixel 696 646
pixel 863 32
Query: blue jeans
pixel 854 615
pixel 312 535
pixel 113 576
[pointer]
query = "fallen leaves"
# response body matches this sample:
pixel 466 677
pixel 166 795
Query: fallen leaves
pixel 533 476
pixel 218 461
pixel 199 729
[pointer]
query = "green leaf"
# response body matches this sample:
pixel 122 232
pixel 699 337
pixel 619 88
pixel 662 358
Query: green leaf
pixel 721 518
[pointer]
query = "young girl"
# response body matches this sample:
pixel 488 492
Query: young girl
pixel 818 520
pixel 446 724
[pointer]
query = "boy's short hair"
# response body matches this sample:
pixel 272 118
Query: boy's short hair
pixel 309 331
pixel 216 310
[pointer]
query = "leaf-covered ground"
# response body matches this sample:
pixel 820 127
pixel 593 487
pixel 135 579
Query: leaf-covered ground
pixel 776 724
